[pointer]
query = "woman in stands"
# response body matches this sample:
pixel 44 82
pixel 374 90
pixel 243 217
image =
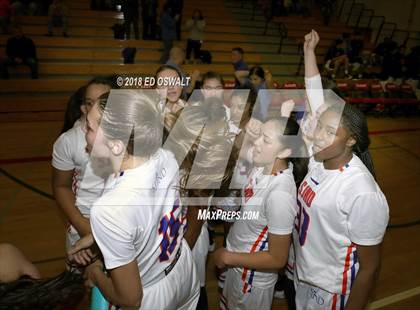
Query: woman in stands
pixel 75 186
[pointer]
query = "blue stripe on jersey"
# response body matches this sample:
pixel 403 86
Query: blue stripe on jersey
pixel 353 268
pixel 316 183
pixel 251 275
pixel 342 300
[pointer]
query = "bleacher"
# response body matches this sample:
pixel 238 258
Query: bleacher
pixel 67 63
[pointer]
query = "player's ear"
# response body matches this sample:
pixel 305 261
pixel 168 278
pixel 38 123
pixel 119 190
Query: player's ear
pixel 117 147
pixel 350 142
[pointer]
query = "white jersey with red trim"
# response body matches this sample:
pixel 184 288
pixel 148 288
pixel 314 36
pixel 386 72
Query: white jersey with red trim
pixel 273 198
pixel 69 153
pixel 337 209
pixel 139 217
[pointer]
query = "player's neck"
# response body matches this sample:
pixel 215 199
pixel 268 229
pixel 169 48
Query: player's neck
pixel 338 161
pixel 277 166
pixel 129 162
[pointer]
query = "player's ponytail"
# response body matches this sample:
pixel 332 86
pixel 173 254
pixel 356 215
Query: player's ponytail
pixel 355 122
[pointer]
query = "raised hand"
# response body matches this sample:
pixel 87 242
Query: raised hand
pixel 311 41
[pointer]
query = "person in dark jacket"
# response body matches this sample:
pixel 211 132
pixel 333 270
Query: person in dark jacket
pixel 20 50
pixel 149 16
pixel 130 8
pixel 168 30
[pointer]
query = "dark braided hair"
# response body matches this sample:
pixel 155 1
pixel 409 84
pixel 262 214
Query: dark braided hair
pixel 27 293
pixel 355 122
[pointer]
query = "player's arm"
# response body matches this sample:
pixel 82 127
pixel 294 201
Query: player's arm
pixel 65 198
pixel 123 286
pixel 369 266
pixel 311 66
pixel 313 82
pixel 194 225
pixel 273 259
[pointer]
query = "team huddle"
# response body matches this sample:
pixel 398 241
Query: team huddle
pixel 133 169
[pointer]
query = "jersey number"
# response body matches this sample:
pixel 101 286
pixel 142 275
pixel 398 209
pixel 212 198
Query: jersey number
pixel 168 228
pixel 303 223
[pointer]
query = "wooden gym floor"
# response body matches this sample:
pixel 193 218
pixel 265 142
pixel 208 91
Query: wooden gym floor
pixel 31 221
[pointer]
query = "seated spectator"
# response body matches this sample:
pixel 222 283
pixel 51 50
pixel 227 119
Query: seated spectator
pixel 20 50
pixel 336 58
pixel 392 63
pixel 57 13
pixel 412 63
pixel 5 15
pixel 240 66
pixel 195 27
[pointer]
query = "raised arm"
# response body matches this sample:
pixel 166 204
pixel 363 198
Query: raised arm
pixel 313 82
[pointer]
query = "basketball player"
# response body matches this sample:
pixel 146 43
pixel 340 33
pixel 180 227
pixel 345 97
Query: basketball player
pixel 70 167
pixel 256 248
pixel 137 222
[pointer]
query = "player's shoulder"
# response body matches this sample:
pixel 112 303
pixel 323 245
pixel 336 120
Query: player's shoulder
pixel 357 177
pixel 114 206
pixel 72 136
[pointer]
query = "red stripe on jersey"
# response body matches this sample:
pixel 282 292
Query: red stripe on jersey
pixel 254 247
pixel 334 302
pixel 346 269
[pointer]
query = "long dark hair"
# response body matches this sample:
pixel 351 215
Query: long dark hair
pixel 299 157
pixel 200 14
pixel 26 293
pixel 355 122
pixel 73 112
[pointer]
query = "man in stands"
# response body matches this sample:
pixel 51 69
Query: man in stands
pixel 240 66
pixel 57 17
pixel 20 50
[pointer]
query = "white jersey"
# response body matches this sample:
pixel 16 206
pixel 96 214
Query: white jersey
pixel 338 209
pixel 139 217
pixel 273 197
pixel 69 153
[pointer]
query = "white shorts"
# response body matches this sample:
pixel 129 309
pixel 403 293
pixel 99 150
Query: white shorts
pixel 233 298
pixel 310 297
pixel 180 289
pixel 199 254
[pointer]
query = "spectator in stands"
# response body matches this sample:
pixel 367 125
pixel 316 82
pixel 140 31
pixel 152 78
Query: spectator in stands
pixel 176 60
pixel 5 15
pixel 195 27
pixel 20 50
pixel 178 6
pixel 240 66
pixel 387 46
pixel 336 58
pixel 392 63
pixel 261 79
pixel 168 29
pixel 57 17
pixel 130 9
pixel 412 63
pixel 149 15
